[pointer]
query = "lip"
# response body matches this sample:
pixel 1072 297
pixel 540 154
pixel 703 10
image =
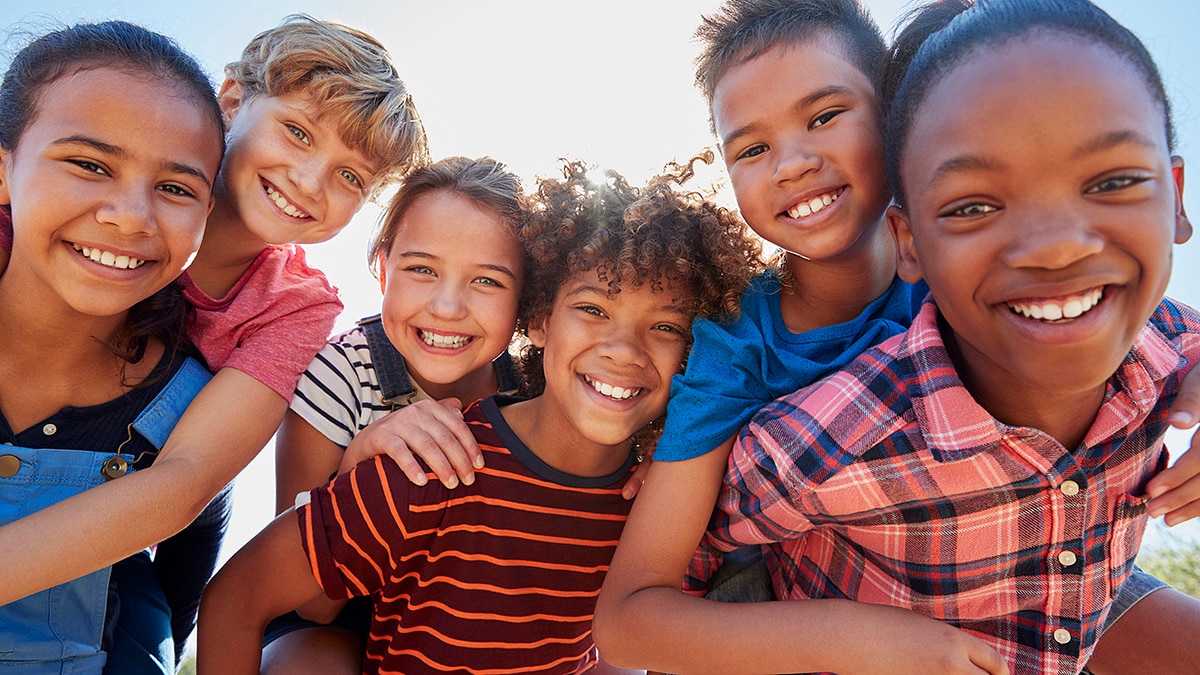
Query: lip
pixel 616 382
pixel 834 195
pixel 1062 331
pixel 268 187
pixel 420 334
pixel 115 253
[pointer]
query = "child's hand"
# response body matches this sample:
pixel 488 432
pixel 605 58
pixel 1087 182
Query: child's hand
pixel 907 643
pixel 634 484
pixel 434 430
pixel 1175 492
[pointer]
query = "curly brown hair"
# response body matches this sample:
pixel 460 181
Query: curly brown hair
pixel 658 235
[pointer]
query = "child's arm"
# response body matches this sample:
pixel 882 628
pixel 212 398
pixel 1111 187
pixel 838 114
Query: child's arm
pixel 644 620
pixel 266 578
pixel 432 430
pixel 229 421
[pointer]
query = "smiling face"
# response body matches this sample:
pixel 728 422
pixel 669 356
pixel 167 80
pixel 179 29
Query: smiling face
pixel 609 359
pixel 110 186
pixel 451 284
pixel 1041 210
pixel 799 130
pixel 287 174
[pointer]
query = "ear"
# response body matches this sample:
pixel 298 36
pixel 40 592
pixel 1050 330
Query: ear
pixel 5 156
pixel 1183 226
pixel 230 97
pixel 537 333
pixel 908 266
pixel 381 265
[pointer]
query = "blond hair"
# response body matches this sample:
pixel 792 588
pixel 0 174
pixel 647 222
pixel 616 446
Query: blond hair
pixel 350 77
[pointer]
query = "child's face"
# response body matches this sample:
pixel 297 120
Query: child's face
pixel 608 360
pixel 451 285
pixel 1041 210
pixel 110 187
pixel 799 128
pixel 287 172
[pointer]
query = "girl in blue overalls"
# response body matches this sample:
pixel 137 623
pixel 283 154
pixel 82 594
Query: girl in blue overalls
pixel 110 140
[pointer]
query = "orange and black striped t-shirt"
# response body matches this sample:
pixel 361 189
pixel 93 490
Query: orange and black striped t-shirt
pixel 496 577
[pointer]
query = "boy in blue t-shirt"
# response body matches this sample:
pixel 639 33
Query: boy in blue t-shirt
pixel 795 105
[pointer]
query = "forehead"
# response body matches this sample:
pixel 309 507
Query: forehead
pixel 785 72
pixel 143 112
pixel 1040 94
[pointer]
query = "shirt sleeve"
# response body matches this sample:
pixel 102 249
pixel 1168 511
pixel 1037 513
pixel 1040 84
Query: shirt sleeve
pixel 352 529
pixel 329 395
pixel 271 323
pixel 719 391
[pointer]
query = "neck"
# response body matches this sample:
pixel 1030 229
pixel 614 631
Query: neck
pixel 471 387
pixel 555 442
pixel 1065 416
pixel 226 252
pixel 823 293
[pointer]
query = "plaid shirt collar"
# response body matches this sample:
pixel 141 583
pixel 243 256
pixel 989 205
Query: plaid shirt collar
pixel 956 427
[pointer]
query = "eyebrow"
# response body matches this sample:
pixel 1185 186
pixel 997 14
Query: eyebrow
pixel 487 266
pixel 804 102
pixel 118 151
pixel 1111 140
pixel 674 308
pixel 963 163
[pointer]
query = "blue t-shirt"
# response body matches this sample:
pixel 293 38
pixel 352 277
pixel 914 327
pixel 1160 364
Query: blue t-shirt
pixel 735 369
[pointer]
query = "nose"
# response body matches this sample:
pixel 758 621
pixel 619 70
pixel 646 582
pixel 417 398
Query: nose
pixel 130 208
pixel 306 176
pixel 793 160
pixel 1052 238
pixel 447 302
pixel 625 346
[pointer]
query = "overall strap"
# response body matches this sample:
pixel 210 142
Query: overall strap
pixel 394 381
pixel 158 419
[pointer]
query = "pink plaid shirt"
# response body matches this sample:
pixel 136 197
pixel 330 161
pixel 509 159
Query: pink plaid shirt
pixel 887 483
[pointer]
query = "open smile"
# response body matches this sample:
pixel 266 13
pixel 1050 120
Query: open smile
pixel 1065 308
pixel 282 202
pixel 442 341
pixel 108 258
pixel 815 204
pixel 615 393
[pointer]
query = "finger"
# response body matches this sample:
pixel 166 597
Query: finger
pixel 1185 411
pixel 1184 469
pixel 989 660
pixel 408 464
pixel 425 445
pixel 465 439
pixel 635 482
pixel 451 439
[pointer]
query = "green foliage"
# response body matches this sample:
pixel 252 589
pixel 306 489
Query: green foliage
pixel 188 667
pixel 1175 561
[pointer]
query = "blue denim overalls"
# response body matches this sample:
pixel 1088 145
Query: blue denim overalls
pixel 58 630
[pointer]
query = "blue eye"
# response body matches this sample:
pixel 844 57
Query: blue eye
pixel 351 178
pixel 300 134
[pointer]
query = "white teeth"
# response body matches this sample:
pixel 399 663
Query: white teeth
pixel 283 204
pixel 1056 310
pixel 619 393
pixel 443 341
pixel 813 205
pixel 121 262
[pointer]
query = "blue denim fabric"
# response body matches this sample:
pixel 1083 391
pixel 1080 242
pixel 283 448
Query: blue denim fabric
pixel 1139 584
pixel 61 629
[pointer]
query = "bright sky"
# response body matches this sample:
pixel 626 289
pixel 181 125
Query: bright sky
pixel 528 82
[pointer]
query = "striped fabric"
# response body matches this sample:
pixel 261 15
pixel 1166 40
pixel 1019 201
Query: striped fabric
pixel 496 577
pixel 887 483
pixel 339 394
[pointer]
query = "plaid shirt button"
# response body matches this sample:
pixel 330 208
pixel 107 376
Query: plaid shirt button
pixel 1069 488
pixel 1067 558
pixel 1062 636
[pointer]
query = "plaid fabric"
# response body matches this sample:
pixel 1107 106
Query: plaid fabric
pixel 887 483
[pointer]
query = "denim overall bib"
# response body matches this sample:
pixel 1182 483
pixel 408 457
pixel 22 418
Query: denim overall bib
pixel 58 630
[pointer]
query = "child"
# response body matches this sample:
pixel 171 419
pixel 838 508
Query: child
pixel 448 315
pixel 111 140
pixel 1060 204
pixel 318 120
pixel 503 573
pixel 793 88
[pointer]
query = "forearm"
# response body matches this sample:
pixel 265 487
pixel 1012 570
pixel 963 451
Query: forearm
pixel 266 578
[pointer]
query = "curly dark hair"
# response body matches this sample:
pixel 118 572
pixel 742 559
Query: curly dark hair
pixel 658 235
